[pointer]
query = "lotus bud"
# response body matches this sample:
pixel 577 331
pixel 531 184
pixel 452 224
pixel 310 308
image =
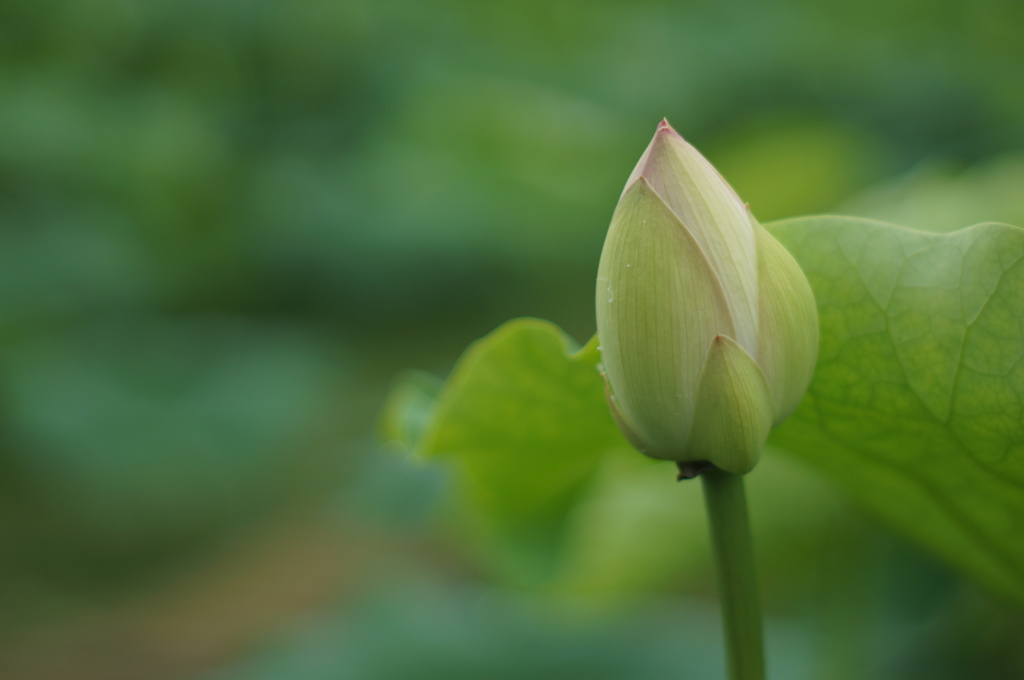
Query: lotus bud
pixel 707 326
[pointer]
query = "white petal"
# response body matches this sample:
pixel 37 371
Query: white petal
pixel 710 209
pixel 734 409
pixel 659 305
pixel 788 336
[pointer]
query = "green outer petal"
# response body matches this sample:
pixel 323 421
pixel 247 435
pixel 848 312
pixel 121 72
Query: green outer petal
pixel 734 409
pixel 788 335
pixel 659 305
pixel 715 216
pixel 622 421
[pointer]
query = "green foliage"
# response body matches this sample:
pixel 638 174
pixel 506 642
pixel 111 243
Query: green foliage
pixel 915 408
pixel 467 634
pixel 524 417
pixel 941 197
pixel 227 415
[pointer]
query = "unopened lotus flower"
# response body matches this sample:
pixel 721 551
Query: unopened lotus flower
pixel 707 325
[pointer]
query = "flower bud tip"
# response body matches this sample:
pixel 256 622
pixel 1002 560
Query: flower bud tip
pixel 664 126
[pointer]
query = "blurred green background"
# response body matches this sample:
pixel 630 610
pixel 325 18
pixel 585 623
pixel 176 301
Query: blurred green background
pixel 226 226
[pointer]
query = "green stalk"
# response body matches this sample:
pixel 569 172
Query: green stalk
pixel 726 503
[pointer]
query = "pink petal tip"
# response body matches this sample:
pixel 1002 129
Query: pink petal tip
pixel 664 126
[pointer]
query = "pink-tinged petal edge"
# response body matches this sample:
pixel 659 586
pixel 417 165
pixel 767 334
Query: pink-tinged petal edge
pixel 664 126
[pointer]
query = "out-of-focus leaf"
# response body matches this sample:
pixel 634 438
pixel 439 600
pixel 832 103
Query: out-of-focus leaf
pixel 795 165
pixel 936 197
pixel 469 634
pixel 523 418
pixel 124 439
pixel 409 409
pixel 916 405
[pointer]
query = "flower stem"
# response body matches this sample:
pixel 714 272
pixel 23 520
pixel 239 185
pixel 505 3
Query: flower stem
pixel 726 503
